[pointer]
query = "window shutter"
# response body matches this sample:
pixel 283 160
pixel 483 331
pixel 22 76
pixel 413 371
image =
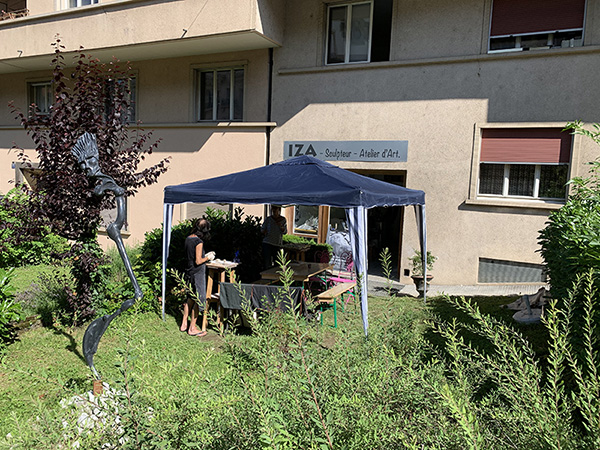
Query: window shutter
pixel 535 16
pixel 525 145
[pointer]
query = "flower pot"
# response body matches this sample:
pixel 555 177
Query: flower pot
pixel 419 282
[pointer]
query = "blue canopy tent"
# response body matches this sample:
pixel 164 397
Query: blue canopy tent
pixel 301 181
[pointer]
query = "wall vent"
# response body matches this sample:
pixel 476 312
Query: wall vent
pixel 500 271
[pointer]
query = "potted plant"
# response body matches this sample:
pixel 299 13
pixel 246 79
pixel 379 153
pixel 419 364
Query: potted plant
pixel 416 262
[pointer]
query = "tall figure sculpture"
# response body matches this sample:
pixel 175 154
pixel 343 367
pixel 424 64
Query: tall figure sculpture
pixel 86 152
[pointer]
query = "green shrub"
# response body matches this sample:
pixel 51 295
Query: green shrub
pixel 570 242
pixel 119 287
pixel 10 311
pixel 23 243
pixel 230 233
pixel 49 297
pixel 314 246
pixel 506 396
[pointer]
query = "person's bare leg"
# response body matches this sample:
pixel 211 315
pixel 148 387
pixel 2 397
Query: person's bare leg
pixel 186 312
pixel 193 330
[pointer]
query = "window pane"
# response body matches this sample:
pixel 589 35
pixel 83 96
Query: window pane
pixel 521 179
pixel 537 40
pixel 337 219
pixel 238 94
pixel 223 94
pixel 491 178
pixel 502 43
pixel 360 32
pixel 306 219
pixel 42 97
pixel 206 95
pixel 337 35
pixel 381 30
pixel 553 180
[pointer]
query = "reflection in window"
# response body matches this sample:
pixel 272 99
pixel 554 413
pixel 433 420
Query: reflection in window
pixel 306 219
pixel 41 94
pixel 542 181
pixel 337 219
pixel 220 94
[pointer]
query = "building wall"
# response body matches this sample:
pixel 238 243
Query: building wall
pixel 165 106
pixel 437 88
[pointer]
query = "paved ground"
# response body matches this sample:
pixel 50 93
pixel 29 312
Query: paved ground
pixel 377 285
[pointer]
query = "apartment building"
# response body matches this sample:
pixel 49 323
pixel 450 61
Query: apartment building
pixel 465 100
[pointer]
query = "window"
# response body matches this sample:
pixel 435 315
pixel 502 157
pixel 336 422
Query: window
pixel 306 219
pixel 41 95
pixel 79 3
pixel 527 24
pixel 359 32
pixel 220 94
pixel 524 163
pixel 122 91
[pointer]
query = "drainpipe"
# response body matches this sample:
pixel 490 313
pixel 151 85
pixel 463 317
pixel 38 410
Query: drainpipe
pixel 269 107
pixel 268 128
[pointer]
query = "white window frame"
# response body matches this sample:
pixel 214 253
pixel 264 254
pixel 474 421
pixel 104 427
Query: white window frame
pixel 31 88
pixel 536 183
pixel 66 4
pixel 198 92
pixel 487 200
pixel 349 7
pixel 549 41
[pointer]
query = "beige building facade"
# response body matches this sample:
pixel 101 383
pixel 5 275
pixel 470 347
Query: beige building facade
pixel 474 95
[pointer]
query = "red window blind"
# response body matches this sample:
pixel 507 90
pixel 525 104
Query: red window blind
pixel 535 16
pixel 525 145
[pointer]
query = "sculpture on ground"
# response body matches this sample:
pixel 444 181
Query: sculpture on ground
pixel 86 152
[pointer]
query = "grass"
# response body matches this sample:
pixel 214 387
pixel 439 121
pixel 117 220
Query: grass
pixel 46 364
pixel 24 276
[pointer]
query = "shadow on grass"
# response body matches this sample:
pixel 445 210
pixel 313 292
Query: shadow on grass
pixel 73 344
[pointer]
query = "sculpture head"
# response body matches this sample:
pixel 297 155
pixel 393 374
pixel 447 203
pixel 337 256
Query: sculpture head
pixel 86 152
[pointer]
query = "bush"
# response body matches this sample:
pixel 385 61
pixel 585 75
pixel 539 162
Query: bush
pixel 119 287
pixel 230 233
pixel 23 242
pixel 570 243
pixel 48 297
pixel 10 311
pixel 314 246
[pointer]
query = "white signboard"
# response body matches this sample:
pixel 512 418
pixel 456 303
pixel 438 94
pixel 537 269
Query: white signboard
pixel 390 151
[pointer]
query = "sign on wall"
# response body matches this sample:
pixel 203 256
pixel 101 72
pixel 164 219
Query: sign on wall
pixel 390 151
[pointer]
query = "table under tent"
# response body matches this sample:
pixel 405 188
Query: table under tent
pixel 303 180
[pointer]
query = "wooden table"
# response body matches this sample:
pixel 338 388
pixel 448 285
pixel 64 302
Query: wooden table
pixel 302 271
pixel 216 272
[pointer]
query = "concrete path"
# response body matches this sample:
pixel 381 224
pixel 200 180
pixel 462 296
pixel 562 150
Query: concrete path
pixel 377 286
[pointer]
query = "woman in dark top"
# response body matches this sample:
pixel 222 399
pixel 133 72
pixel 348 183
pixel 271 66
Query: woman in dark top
pixel 196 275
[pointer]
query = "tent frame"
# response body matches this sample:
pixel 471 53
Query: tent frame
pixel 356 209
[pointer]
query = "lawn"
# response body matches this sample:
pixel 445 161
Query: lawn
pixel 289 382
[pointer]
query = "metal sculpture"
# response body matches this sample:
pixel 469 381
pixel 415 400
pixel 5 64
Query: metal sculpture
pixel 86 152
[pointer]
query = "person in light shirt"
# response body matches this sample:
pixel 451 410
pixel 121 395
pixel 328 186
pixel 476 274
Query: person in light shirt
pixel 273 229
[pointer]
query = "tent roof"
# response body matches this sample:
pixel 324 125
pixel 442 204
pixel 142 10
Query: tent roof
pixel 303 180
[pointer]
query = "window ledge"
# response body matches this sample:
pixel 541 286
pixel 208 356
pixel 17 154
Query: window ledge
pixel 205 125
pixel 479 58
pixel 512 203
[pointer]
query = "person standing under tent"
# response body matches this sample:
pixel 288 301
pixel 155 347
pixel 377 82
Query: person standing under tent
pixel 196 275
pixel 273 229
